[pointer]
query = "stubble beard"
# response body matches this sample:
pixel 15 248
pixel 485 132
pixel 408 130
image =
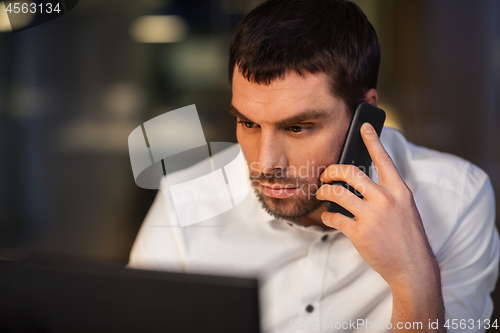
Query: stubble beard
pixel 292 208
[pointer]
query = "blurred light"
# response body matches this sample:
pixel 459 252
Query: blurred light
pixel 29 102
pixel 198 63
pixel 19 20
pixel 123 100
pixel 159 29
pixel 4 19
pixel 392 117
pixel 94 135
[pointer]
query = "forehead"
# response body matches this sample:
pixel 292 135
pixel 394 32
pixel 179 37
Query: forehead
pixel 284 97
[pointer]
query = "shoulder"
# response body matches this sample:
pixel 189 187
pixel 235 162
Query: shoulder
pixel 419 165
pixel 454 197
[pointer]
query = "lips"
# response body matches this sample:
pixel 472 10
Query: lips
pixel 279 191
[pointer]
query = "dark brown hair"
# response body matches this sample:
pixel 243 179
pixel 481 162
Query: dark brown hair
pixel 331 36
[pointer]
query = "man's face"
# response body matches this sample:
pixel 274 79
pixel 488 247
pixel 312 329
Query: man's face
pixel 289 132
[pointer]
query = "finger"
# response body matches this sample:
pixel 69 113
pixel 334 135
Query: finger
pixel 385 168
pixel 339 222
pixel 350 174
pixel 343 197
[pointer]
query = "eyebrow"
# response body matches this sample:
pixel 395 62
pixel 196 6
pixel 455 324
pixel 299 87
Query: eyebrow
pixel 234 111
pixel 313 114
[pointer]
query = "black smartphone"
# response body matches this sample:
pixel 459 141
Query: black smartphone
pixel 354 151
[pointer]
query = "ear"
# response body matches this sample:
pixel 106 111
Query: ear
pixel 371 97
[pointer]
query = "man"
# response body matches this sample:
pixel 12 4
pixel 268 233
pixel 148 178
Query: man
pixel 422 247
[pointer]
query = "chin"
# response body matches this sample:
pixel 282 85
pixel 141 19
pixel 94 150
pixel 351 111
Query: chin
pixel 290 208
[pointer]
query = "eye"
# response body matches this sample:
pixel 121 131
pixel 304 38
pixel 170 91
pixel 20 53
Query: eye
pixel 248 124
pixel 297 129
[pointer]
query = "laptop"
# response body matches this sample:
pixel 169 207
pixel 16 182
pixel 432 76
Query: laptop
pixel 42 297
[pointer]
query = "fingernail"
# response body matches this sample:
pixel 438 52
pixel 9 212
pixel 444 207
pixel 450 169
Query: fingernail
pixel 368 128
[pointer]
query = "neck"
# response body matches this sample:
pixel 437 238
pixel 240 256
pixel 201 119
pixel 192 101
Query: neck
pixel 315 219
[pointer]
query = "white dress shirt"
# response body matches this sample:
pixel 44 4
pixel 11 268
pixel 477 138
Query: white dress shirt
pixel 316 281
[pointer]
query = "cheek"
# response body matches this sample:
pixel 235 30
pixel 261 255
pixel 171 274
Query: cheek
pixel 335 140
pixel 335 147
pixel 307 163
pixel 316 156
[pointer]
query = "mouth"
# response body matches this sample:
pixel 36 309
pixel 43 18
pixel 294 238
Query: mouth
pixel 277 191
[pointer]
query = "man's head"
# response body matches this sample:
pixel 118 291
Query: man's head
pixel 298 68
pixel 329 36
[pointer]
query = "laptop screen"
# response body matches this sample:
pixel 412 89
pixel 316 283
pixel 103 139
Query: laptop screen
pixel 36 297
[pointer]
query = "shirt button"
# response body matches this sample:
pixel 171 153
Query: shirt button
pixel 309 308
pixel 324 238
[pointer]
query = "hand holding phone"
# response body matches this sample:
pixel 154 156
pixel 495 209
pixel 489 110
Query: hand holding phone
pixel 387 230
pixel 354 151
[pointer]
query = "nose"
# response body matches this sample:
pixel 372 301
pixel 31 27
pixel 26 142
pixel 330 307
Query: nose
pixel 271 156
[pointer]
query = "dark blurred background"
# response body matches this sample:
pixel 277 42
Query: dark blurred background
pixel 73 89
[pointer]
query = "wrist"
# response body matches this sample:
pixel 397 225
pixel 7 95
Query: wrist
pixel 420 275
pixel 420 293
